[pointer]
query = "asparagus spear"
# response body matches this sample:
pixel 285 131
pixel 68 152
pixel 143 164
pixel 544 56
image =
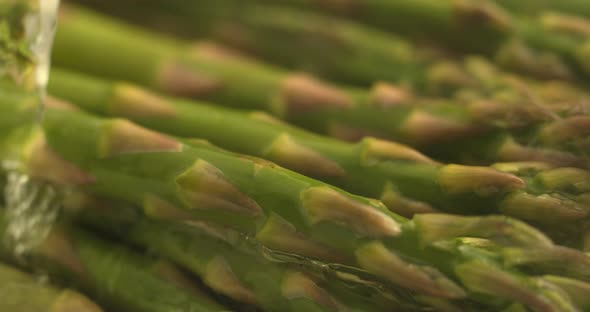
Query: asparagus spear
pixel 193 245
pixel 21 292
pixel 357 54
pixel 563 142
pixel 113 274
pixel 405 180
pixel 535 7
pixel 293 97
pixel 283 210
pixel 234 265
pixel 551 46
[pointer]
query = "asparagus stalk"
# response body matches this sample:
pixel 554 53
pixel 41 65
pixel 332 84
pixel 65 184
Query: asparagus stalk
pixel 197 244
pixel 551 45
pixel 357 55
pixel 283 210
pixel 113 274
pixel 21 292
pixel 296 98
pixel 563 142
pixel 406 181
pixel 234 265
pixel 362 55
pixel 535 7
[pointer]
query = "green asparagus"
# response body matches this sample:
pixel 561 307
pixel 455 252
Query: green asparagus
pixel 281 209
pixel 535 7
pixel 550 46
pixel 386 111
pixel 233 265
pixel 405 180
pixel 271 239
pixel 333 48
pixel 114 275
pixel 21 292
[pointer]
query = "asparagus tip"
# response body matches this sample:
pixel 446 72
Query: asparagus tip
pixel 484 181
pixel 329 205
pixel 377 259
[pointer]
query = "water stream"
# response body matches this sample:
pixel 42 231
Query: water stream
pixel 31 207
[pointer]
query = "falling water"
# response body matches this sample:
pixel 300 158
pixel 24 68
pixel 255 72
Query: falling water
pixel 31 207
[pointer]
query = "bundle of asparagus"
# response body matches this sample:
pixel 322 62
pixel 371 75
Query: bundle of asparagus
pixel 533 7
pixel 405 180
pixel 346 113
pixel 20 292
pixel 171 204
pixel 547 44
pixel 551 46
pixel 288 212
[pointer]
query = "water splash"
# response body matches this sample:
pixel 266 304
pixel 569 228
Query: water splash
pixel 42 29
pixel 27 31
pixel 31 208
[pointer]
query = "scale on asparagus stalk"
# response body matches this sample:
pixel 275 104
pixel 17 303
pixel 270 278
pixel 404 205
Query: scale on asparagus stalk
pixel 26 33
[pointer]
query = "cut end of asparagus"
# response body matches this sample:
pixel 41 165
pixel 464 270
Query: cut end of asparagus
pixel 121 136
pixel 134 102
pixel 483 181
pixel 286 152
pixel 385 95
pixel 183 81
pixel 71 301
pixel 547 209
pixel 298 285
pixel 278 234
pixel 376 151
pixel 500 229
pixel 303 94
pixel 219 276
pixel 566 179
pixel 377 259
pixel 324 204
pixel 203 186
